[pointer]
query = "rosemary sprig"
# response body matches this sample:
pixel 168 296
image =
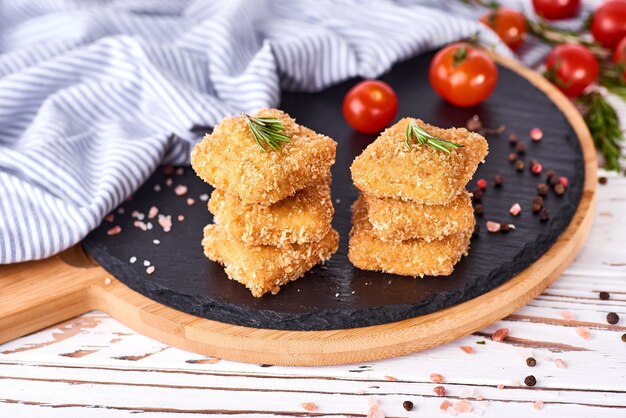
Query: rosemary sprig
pixel 556 36
pixel 415 133
pixel 267 132
pixel 603 123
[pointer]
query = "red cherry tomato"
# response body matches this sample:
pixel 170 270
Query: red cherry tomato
pixel 572 68
pixel 608 25
pixel 619 56
pixel 463 75
pixel 509 24
pixel 370 106
pixel 556 9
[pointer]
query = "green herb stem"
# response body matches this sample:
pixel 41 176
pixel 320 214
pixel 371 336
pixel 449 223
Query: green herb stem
pixel 267 132
pixel 416 134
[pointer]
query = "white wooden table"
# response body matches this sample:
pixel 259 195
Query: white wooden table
pixel 93 366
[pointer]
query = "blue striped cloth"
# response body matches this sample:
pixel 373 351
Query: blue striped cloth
pixel 94 95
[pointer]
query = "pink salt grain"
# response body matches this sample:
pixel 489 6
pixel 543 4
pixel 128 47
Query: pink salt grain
pixel 538 405
pixel 500 335
pixel 536 134
pixel 583 332
pixel 500 386
pixel 180 190
pixel 560 363
pixel 436 378
pixel 515 210
pixel 165 222
pixel 153 212
pixel 150 270
pixel 493 226
pixel 467 349
pixel 308 406
pixel 191 201
pixel 567 315
pixel 462 406
pixel 181 218
pixel 391 378
pixel 115 230
pixel 439 390
pixel 445 405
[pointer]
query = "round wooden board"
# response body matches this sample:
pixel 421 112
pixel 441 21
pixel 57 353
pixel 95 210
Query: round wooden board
pixel 38 294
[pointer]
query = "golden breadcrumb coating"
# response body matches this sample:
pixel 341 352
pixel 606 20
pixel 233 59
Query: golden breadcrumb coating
pixel 398 220
pixel 423 174
pixel 303 217
pixel 264 268
pixel 413 257
pixel 230 159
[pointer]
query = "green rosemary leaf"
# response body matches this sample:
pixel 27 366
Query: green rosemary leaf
pixel 267 132
pixel 415 133
pixel 604 126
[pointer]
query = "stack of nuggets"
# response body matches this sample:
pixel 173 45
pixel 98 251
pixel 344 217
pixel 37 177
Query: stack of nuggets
pixel 272 209
pixel 414 216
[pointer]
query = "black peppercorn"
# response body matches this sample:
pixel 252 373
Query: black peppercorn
pixel 538 200
pixel 519 165
pixel 533 162
pixel 603 180
pixel 513 138
pixel 544 215
pixel 536 208
pixel 476 230
pixel 530 380
pixel 531 362
pixel 479 209
pixel 542 189
pixel 612 318
pixel 497 180
pixel 512 157
pixel 504 227
pixel 559 189
pixel 550 174
pixel 521 148
pixel 604 295
pixel 408 405
pixel 624 337
pixel 477 194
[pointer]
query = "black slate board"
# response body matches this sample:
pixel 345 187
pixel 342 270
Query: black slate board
pixel 337 295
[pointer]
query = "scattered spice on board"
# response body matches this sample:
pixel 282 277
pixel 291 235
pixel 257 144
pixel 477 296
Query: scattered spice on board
pixel 604 295
pixel 560 363
pixel 542 189
pixel 531 362
pixel 150 270
pixel 624 337
pixel 493 226
pixel 536 134
pixel 500 386
pixel 559 189
pixel 583 332
pixel 204 197
pixel 180 190
pixel 530 380
pixel 191 201
pixel 467 349
pixel 407 405
pixel 109 218
pixel 516 209
pixel 519 165
pixel 603 180
pixel 497 180
pixel 612 318
pixel 391 378
pixel 500 335
pixel 544 215
pixel 479 209
pixel 168 170
pixel 512 157
pixel 462 406
pixel 445 405
pixel 567 315
pixel 308 406
pixel 481 183
pixel 538 405
pixel 436 378
pixel 153 212
pixel 520 148
pixel 513 139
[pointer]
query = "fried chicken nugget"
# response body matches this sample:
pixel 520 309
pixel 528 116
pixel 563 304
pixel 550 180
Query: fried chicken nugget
pixel 264 268
pixel 230 159
pixel 413 257
pixel 301 218
pixel 398 220
pixel 422 174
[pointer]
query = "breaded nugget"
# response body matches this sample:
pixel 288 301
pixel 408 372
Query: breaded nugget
pixel 398 220
pixel 413 257
pixel 230 159
pixel 303 217
pixel 264 268
pixel 422 174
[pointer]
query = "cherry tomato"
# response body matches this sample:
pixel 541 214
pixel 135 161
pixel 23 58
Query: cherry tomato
pixel 619 56
pixel 509 24
pixel 370 106
pixel 572 68
pixel 608 25
pixel 556 9
pixel 463 75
